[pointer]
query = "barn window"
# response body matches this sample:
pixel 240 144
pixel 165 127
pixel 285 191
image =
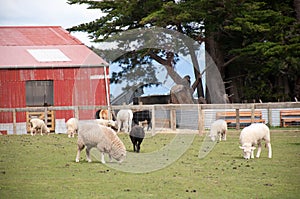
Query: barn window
pixel 39 93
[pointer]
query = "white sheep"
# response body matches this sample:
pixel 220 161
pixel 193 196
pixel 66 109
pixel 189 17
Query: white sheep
pixel 218 130
pixel 72 127
pixel 91 134
pixel 108 123
pixel 252 135
pixel 124 117
pixel 36 125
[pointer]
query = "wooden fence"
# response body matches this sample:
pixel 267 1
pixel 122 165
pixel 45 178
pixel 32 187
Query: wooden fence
pixel 167 107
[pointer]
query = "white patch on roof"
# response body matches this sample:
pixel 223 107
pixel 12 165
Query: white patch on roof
pixel 48 55
pixel 97 77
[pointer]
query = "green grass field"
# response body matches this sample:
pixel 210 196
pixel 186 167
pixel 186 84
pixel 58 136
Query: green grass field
pixel 44 167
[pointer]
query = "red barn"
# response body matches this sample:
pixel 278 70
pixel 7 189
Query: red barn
pixel 46 66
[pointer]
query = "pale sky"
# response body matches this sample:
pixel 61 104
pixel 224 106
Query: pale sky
pixel 46 13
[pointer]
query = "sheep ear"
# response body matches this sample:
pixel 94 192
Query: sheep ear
pixel 242 147
pixel 252 148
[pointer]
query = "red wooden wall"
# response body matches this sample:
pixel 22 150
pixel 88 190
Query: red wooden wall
pixel 71 87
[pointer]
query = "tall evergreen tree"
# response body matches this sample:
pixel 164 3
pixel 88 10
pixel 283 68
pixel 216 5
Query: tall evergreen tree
pixel 122 16
pixel 256 47
pixel 254 43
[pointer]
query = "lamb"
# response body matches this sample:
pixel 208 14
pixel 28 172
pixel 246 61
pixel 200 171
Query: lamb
pixel 137 135
pixel 124 117
pixel 72 127
pixel 36 125
pixel 218 130
pixel 91 134
pixel 252 135
pixel 108 123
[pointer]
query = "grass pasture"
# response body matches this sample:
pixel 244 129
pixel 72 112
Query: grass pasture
pixel 44 167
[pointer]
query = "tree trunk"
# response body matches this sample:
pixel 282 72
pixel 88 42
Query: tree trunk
pixel 214 56
pixel 197 72
pixel 180 95
pixel 213 48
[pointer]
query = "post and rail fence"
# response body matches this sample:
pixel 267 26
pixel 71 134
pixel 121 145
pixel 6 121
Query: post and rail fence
pixel 172 110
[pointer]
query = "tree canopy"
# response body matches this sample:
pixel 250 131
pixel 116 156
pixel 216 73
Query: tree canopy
pixel 255 44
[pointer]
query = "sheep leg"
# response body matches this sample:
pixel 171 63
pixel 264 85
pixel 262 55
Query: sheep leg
pixel 252 153
pixel 138 147
pixel 139 142
pixel 258 150
pixel 119 125
pixel 269 150
pixel 80 148
pixel 220 136
pixel 129 125
pixel 224 135
pixel 110 158
pixel 102 158
pixel 88 155
pixel 41 131
pixel 44 129
pixel 133 142
pixel 125 126
pixel 36 130
pixel 31 131
pixel 71 134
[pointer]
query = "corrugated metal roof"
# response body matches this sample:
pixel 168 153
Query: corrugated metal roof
pixel 35 36
pixel 17 42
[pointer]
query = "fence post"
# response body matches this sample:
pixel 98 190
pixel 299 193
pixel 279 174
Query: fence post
pixel 252 113
pixel 200 120
pixel 270 116
pixel 173 119
pixel 46 116
pixel 14 121
pixel 237 113
pixel 153 120
pixel 76 110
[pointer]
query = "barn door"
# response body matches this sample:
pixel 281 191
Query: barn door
pixel 39 93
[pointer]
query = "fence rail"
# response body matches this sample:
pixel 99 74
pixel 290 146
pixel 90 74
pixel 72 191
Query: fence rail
pixel 172 108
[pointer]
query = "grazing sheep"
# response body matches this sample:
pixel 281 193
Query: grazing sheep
pixel 218 130
pixel 108 123
pixel 36 125
pixel 103 138
pixel 72 127
pixel 124 117
pixel 252 135
pixel 137 135
pixel 141 116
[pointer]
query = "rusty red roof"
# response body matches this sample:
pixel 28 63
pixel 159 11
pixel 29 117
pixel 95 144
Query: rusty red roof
pixel 35 36
pixel 43 46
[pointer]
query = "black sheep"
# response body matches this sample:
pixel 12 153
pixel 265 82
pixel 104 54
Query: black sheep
pixel 137 135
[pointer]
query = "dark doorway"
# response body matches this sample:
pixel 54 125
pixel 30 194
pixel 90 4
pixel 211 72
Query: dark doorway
pixel 39 93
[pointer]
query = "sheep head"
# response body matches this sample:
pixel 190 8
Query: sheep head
pixel 247 150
